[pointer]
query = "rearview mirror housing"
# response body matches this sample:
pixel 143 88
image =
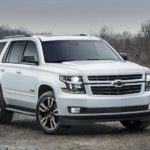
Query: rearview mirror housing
pixel 124 56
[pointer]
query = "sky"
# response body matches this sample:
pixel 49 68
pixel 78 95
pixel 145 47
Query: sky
pixel 74 16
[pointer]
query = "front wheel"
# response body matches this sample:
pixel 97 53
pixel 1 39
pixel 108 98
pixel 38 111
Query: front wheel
pixel 135 124
pixel 47 114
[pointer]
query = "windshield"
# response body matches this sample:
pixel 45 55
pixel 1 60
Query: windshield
pixel 61 51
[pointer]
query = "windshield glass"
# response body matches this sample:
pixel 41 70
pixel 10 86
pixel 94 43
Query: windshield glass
pixel 61 51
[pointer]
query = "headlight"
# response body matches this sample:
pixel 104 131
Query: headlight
pixel 74 84
pixel 147 82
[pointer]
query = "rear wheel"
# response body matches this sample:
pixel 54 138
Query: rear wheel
pixel 135 124
pixel 5 115
pixel 47 114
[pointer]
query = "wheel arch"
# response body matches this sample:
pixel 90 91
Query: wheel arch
pixel 44 88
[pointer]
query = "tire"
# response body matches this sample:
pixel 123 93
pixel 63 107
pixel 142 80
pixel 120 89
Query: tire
pixel 46 115
pixel 135 124
pixel 5 115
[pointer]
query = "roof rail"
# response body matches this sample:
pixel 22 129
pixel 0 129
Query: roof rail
pixel 30 35
pixel 17 36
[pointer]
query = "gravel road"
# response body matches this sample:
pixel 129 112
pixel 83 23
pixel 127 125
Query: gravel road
pixel 24 134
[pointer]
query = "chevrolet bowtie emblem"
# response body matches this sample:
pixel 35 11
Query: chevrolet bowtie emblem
pixel 118 83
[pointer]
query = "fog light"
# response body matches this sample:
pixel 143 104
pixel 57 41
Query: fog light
pixel 75 110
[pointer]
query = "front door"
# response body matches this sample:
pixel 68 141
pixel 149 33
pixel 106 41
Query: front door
pixel 20 78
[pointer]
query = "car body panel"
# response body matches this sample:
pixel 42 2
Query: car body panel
pixel 20 82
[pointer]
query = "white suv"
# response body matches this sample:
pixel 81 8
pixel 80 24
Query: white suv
pixel 71 80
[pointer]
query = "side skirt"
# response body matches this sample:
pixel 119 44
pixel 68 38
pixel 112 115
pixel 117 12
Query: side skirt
pixel 23 110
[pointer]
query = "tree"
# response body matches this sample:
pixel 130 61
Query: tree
pixel 145 30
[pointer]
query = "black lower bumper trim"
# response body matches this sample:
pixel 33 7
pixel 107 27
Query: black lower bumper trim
pixel 82 120
pixel 85 110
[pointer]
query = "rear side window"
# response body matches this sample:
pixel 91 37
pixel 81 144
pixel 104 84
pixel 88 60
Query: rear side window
pixel 2 45
pixel 15 52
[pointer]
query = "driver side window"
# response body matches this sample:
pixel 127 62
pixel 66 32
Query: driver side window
pixel 30 53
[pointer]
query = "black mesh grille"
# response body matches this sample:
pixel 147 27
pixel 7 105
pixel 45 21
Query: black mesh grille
pixel 115 77
pixel 112 90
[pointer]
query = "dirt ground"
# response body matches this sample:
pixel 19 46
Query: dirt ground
pixel 24 134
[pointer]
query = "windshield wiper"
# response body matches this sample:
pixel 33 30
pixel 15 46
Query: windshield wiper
pixel 98 59
pixel 60 61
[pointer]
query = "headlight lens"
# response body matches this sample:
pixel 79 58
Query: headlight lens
pixel 147 82
pixel 74 84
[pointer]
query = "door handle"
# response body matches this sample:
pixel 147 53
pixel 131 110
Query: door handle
pixel 19 72
pixel 2 70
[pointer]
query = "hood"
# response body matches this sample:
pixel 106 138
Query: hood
pixel 98 67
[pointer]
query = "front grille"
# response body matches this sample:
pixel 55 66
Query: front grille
pixel 112 90
pixel 115 77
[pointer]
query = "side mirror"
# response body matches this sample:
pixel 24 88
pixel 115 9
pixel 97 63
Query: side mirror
pixel 124 56
pixel 30 59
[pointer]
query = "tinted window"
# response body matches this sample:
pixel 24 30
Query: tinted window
pixel 15 52
pixel 2 45
pixel 31 51
pixel 59 51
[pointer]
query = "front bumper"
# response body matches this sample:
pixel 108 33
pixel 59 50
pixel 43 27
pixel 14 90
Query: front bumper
pixel 87 120
pixel 103 108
